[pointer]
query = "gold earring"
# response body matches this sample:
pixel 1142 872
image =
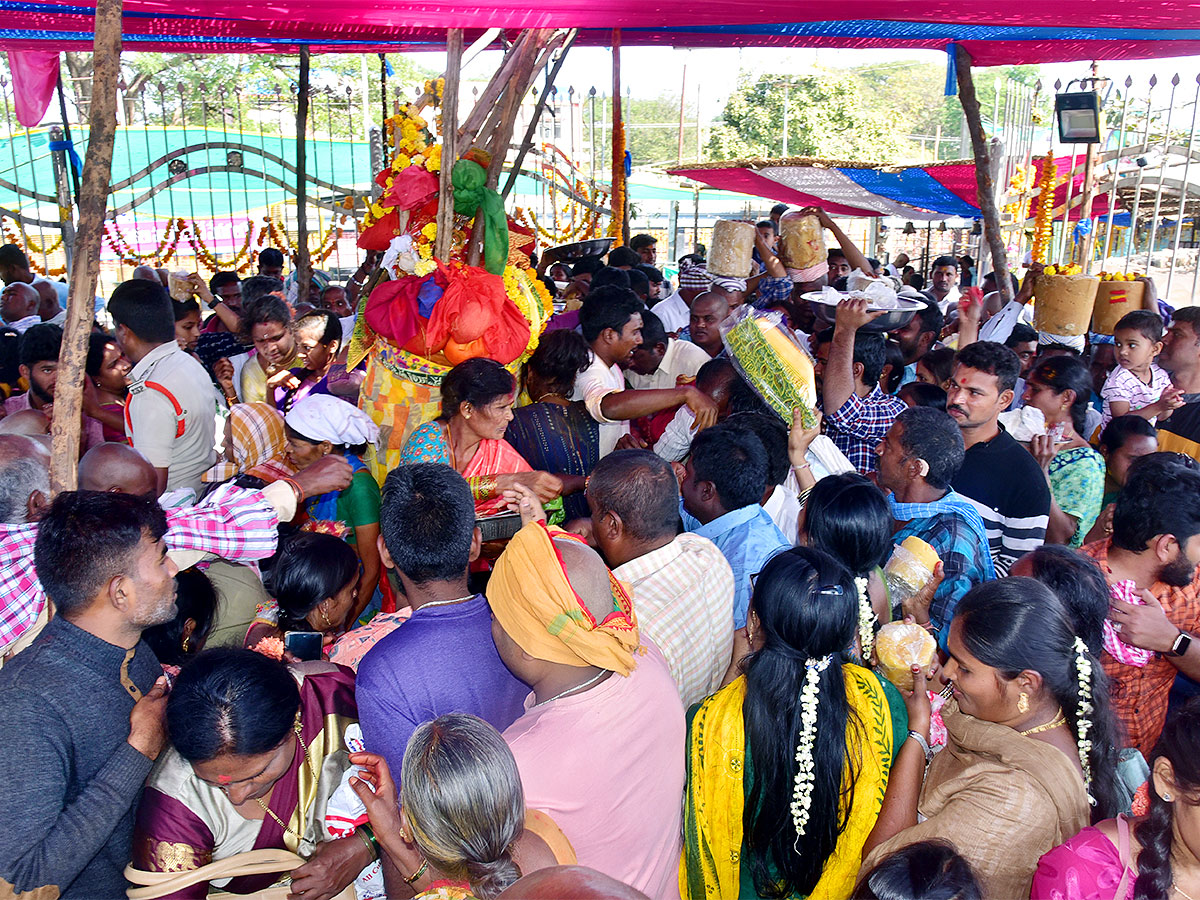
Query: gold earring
pixel 1023 703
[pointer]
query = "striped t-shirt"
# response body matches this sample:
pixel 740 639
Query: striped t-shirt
pixel 1007 487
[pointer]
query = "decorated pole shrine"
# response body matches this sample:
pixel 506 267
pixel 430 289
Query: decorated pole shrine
pixel 455 279
pixel 85 270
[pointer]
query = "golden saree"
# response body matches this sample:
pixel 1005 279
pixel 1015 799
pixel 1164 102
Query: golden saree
pixel 717 787
pixel 184 823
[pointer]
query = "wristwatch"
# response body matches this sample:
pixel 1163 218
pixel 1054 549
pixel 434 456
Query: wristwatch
pixel 1180 646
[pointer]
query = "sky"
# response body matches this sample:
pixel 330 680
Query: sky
pixel 712 73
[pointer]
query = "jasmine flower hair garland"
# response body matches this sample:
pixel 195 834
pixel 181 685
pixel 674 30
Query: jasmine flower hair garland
pixel 866 619
pixel 805 770
pixel 1083 725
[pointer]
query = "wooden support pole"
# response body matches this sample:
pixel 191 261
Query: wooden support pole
pixel 1084 247
pixel 302 262
pixel 445 213
pixel 85 272
pixel 983 173
pixel 527 142
pixel 620 195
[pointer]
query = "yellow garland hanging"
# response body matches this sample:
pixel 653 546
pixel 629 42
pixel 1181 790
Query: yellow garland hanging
pixel 1043 228
pixel 162 254
pixel 33 245
pixel 32 254
pixel 241 261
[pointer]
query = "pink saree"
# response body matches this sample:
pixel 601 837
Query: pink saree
pixel 428 444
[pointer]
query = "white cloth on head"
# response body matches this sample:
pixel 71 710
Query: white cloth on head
pixel 323 417
pixel 729 284
pixel 1074 341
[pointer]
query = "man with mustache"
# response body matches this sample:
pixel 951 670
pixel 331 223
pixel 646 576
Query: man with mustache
pixel 1000 477
pixel 1155 544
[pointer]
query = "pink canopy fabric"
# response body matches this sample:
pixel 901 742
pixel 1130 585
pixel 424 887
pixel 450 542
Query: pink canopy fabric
pixel 34 75
pixel 918 192
pixel 995 32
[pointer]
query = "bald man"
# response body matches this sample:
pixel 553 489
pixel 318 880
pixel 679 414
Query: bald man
pixel 599 701
pixel 49 309
pixel 19 305
pixel 30 422
pixel 708 311
pixel 117 468
pixel 577 882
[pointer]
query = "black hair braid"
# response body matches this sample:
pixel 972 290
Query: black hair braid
pixel 1153 833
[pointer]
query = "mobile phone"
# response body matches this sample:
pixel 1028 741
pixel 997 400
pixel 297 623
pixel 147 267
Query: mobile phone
pixel 304 645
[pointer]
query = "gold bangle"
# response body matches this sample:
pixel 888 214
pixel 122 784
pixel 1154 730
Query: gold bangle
pixel 411 879
pixel 483 487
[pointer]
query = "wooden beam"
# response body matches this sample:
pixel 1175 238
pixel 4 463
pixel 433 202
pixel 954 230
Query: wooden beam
pixel 984 185
pixel 302 262
pixel 537 115
pixel 85 271
pixel 445 213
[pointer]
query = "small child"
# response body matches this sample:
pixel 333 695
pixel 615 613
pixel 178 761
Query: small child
pixel 1137 385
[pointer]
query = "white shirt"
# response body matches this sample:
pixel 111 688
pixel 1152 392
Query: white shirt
pixel 783 506
pixel 672 312
pixel 946 303
pixel 595 383
pixel 676 438
pixel 153 421
pixel 681 358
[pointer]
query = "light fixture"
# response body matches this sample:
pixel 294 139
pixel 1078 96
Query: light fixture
pixel 977 228
pixel 1078 117
pixel 910 228
pixel 942 225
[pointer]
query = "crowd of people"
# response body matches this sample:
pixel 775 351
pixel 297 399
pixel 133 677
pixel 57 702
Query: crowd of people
pixel 609 628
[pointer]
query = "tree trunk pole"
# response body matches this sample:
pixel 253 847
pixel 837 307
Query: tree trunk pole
pixel 302 262
pixel 538 108
pixel 85 271
pixel 620 187
pixel 983 174
pixel 445 213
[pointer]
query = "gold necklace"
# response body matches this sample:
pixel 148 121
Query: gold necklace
pixel 270 812
pixel 1058 719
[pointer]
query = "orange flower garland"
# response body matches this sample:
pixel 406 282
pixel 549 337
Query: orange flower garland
pixel 1043 228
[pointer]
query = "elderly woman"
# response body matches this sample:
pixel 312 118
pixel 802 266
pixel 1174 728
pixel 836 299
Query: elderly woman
pixel 320 425
pixel 254 446
pixel 1061 387
pixel 1030 741
pixel 555 433
pixel 477 401
pixel 461 830
pixel 788 763
pixel 256 748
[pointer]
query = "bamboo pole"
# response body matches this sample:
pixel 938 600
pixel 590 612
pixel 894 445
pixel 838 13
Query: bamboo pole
pixel 445 213
pixel 621 209
pixel 85 271
pixel 536 117
pixel 303 261
pixel 983 173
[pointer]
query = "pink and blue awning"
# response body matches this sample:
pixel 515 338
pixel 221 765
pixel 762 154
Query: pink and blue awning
pixel 994 32
pixel 919 192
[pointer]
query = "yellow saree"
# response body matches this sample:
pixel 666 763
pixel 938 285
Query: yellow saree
pixel 716 790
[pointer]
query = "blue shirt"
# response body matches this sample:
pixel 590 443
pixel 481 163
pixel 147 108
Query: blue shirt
pixel 747 537
pixel 442 660
pixel 953 529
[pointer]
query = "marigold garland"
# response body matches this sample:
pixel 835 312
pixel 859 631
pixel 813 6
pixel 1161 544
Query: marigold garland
pixel 1043 228
pixel 616 228
pixel 32 251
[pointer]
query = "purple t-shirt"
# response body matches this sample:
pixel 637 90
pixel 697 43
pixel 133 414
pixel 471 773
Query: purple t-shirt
pixel 442 660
